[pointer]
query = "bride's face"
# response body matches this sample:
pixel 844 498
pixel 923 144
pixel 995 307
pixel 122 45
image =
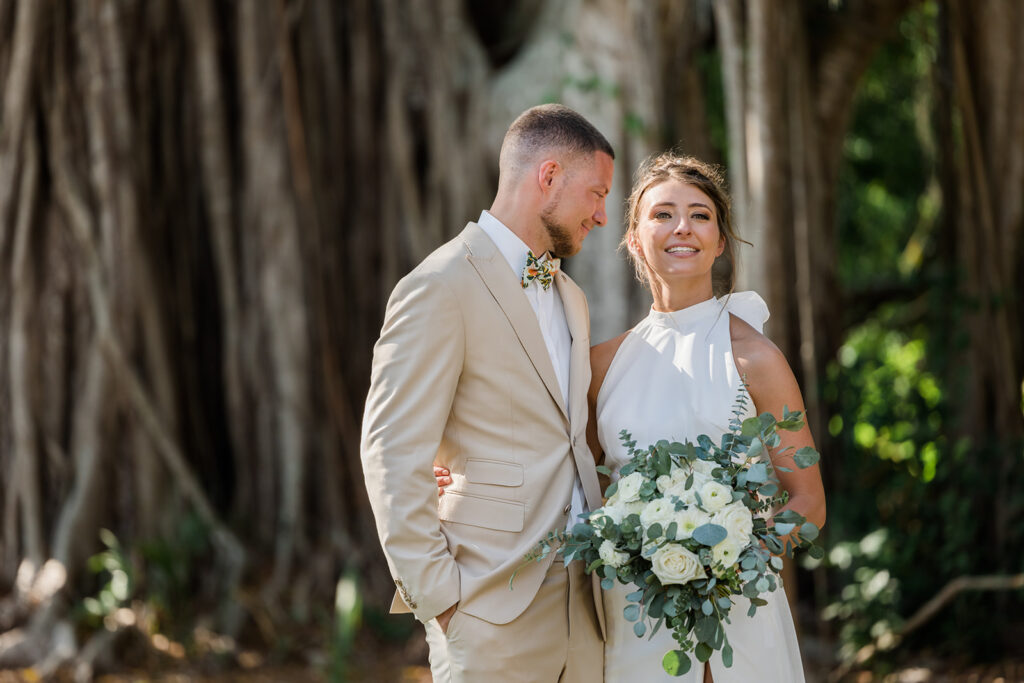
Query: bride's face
pixel 677 232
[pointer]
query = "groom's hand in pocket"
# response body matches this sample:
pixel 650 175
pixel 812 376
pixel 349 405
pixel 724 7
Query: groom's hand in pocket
pixel 446 616
pixel 444 478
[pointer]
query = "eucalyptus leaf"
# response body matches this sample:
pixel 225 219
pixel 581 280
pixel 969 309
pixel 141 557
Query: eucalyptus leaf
pixel 707 608
pixel 727 655
pixel 784 528
pixel 639 628
pixel 606 584
pixel 676 663
pixel 751 427
pixel 631 612
pixel 710 534
pixel 703 651
pixel 806 457
pixel 758 473
pixel 809 531
pixel 705 628
pixel 601 469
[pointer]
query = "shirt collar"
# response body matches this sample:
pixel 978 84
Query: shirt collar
pixel 511 247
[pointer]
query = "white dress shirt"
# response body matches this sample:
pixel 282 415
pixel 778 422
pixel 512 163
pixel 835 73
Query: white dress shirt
pixel 547 305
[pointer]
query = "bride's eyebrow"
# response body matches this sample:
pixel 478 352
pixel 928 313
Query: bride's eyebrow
pixel 700 204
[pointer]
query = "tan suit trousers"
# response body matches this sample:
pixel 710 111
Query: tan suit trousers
pixel 557 638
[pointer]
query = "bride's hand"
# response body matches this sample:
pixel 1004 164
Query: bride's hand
pixel 443 477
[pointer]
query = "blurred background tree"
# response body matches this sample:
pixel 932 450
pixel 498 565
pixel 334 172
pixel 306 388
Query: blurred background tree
pixel 204 206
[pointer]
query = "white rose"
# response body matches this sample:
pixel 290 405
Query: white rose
pixel 715 496
pixel 611 556
pixel 658 511
pixel 689 519
pixel 726 553
pixel 629 487
pixel 673 563
pixel 737 520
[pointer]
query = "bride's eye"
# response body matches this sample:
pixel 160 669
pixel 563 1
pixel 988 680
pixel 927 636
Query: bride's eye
pixel 701 216
pixel 663 215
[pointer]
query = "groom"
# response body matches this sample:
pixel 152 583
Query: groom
pixel 482 367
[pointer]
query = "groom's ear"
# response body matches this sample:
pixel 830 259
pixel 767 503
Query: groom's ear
pixel 547 174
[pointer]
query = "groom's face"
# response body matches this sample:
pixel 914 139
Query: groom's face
pixel 578 204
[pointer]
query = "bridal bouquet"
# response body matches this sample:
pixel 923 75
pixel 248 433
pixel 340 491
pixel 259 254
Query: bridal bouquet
pixel 682 525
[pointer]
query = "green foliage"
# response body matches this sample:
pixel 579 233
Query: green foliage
pixel 885 212
pixel 114 569
pixel 348 617
pixel 915 507
pixel 913 503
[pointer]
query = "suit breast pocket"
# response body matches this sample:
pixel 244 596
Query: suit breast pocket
pixel 494 472
pixel 488 513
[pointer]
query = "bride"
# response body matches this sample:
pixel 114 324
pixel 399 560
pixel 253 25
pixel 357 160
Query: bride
pixel 676 375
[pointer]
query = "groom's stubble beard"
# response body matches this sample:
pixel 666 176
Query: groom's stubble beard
pixel 562 245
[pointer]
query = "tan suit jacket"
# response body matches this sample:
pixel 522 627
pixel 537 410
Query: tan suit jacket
pixel 462 378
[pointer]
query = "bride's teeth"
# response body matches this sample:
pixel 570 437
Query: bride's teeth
pixel 674 250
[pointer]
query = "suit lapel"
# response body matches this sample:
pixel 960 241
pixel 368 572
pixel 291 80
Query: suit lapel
pixel 578 319
pixel 494 271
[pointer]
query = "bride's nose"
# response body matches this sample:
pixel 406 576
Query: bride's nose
pixel 682 227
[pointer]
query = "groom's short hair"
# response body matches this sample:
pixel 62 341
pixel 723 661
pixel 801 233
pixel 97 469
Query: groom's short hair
pixel 545 129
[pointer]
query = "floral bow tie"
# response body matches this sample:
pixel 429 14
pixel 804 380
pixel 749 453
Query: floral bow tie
pixel 541 269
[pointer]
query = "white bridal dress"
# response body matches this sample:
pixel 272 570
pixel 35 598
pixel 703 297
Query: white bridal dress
pixel 674 378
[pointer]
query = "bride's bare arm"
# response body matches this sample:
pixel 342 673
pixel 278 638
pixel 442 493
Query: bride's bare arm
pixel 773 386
pixel 600 360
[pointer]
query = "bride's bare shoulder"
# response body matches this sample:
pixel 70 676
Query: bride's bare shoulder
pixel 756 356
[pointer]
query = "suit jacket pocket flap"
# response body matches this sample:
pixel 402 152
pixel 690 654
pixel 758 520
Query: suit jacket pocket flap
pixel 494 472
pixel 489 513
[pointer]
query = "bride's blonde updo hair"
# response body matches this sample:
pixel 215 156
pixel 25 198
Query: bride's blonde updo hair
pixel 708 179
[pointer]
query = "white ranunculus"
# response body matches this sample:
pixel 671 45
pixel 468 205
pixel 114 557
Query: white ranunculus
pixel 675 479
pixel 634 508
pixel 689 519
pixel 616 511
pixel 672 563
pixel 611 556
pixel 689 495
pixel 715 496
pixel 629 487
pixel 726 554
pixel 704 467
pixel 737 520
